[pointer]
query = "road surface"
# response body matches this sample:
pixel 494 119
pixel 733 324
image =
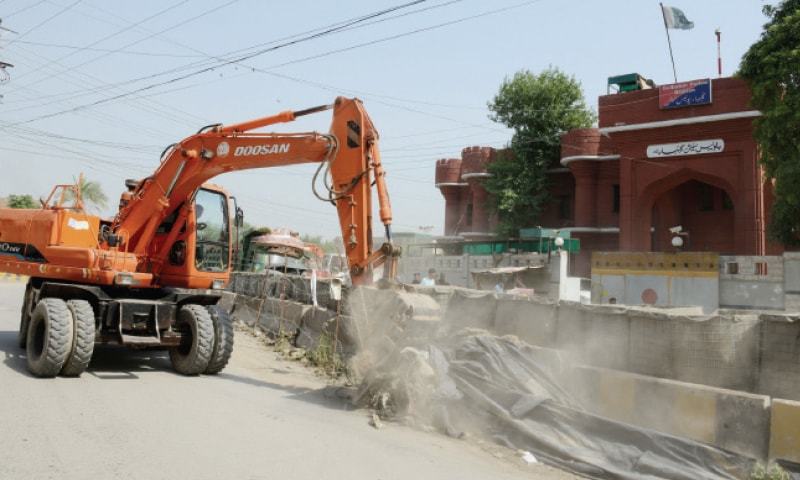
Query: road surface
pixel 130 417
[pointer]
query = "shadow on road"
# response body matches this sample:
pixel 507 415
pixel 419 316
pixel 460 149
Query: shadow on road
pixel 14 356
pixel 331 396
pixel 109 362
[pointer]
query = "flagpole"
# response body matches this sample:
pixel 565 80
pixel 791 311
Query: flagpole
pixel 669 42
pixel 719 53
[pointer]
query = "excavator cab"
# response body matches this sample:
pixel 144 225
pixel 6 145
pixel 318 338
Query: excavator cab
pixel 202 256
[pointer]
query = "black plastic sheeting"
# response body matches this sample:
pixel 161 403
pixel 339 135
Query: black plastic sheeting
pixel 501 388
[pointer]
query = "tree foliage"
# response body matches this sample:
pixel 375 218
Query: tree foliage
pixel 772 68
pixel 22 201
pixel 539 108
pixel 92 193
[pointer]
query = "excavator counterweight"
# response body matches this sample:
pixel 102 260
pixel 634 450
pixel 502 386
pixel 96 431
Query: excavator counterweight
pixel 152 276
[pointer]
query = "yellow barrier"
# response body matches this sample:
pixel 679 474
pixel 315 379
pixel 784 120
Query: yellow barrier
pixel 784 441
pixel 733 420
pixel 13 277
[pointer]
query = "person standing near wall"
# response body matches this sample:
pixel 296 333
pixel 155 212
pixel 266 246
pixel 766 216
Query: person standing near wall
pixel 430 280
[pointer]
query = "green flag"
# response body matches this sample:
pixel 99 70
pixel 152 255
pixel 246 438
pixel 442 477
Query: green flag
pixel 675 18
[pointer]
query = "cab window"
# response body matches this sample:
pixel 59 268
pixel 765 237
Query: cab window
pixel 213 235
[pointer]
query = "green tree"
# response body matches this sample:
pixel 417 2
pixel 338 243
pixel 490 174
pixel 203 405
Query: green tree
pixel 91 192
pixel 22 201
pixel 772 68
pixel 539 108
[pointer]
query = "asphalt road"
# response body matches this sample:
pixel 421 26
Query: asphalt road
pixel 130 417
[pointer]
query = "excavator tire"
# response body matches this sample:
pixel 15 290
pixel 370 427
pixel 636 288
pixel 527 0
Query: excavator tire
pixel 223 340
pixel 25 317
pixel 49 337
pixel 82 340
pixel 192 357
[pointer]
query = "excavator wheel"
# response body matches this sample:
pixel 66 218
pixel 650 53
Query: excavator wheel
pixel 49 337
pixel 194 353
pixel 82 339
pixel 25 316
pixel 223 340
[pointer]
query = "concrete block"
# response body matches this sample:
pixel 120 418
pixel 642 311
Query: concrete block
pixel 751 294
pixel 650 346
pixel 732 420
pixel 784 441
pixel 608 336
pixel 321 326
pixel 595 335
pixel 471 309
pixel 531 321
pixel 572 331
pixel 718 351
pixel 779 366
pixel 246 309
pixel 281 317
pixel 227 301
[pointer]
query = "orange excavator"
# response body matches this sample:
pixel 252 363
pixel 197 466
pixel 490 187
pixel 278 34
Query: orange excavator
pixel 152 276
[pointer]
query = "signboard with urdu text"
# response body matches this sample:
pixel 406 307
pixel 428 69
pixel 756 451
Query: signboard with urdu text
pixel 685 94
pixel 694 147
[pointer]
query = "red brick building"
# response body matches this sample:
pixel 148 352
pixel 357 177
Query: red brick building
pixel 650 165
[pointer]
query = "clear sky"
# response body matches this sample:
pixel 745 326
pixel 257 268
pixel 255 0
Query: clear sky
pixel 426 90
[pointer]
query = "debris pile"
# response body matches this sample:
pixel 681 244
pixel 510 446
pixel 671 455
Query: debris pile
pixel 469 382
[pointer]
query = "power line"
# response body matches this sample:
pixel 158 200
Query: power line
pixel 107 37
pixel 23 9
pixel 228 62
pixel 345 25
pixel 45 21
pixel 167 112
pixel 107 50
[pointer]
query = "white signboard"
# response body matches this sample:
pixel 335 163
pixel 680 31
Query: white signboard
pixel 695 147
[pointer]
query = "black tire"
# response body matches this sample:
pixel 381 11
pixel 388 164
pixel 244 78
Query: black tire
pixel 82 340
pixel 194 353
pixel 223 339
pixel 25 316
pixel 49 337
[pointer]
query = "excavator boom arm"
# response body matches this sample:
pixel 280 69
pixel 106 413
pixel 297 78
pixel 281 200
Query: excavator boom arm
pixel 352 161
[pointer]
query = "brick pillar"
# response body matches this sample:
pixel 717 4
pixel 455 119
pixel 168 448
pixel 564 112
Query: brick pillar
pixel 452 208
pixel 448 181
pixel 585 173
pixel 474 162
pixel 480 209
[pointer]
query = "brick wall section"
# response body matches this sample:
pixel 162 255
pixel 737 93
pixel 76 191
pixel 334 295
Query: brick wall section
pixel 729 95
pixel 653 193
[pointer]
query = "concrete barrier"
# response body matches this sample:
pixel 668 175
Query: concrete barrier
pixel 717 351
pixel 784 441
pixel 779 365
pixel 733 420
pixel 316 325
pixel 595 335
pixel 471 308
pixel 531 321
pixel 650 343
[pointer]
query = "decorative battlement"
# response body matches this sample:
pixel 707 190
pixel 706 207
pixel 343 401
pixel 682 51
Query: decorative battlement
pixel 475 160
pixel 448 172
pixel 580 142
